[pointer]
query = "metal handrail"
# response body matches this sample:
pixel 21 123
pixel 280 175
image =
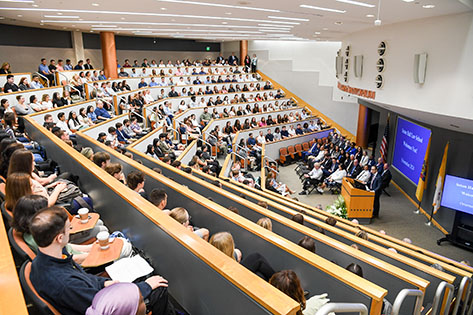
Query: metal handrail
pixel 271 169
pixel 60 73
pixel 470 310
pixel 93 88
pixel 176 132
pixel 439 295
pixel 270 159
pixel 241 157
pixel 402 295
pixel 465 283
pixel 210 146
pixel 44 77
pixel 105 101
pixel 80 95
pixel 343 308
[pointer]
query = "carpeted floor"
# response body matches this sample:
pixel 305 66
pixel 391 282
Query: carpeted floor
pixel 397 217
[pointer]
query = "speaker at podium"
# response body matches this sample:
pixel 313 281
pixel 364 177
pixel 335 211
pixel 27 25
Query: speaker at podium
pixel 358 200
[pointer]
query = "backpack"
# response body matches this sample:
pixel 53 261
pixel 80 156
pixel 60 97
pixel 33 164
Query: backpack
pixel 71 192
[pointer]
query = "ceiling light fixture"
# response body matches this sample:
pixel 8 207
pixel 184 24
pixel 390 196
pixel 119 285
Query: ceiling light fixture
pixel 95 4
pixel 18 1
pixel 305 6
pixel 288 18
pixel 325 29
pixel 35 5
pixel 361 4
pixel 370 16
pixel 377 22
pixel 408 1
pixel 19 15
pixel 428 6
pixel 338 23
pixel 62 16
pixel 163 9
pixel 149 14
pixel 317 33
pixel 219 5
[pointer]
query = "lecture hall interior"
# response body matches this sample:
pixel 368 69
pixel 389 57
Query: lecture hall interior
pixel 215 157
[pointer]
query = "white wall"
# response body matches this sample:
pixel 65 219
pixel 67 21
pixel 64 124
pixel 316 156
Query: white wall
pixel 307 69
pixel 448 88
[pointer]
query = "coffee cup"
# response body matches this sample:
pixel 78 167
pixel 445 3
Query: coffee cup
pixel 84 215
pixel 102 237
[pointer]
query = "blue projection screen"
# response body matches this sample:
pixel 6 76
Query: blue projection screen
pixel 409 150
pixel 458 194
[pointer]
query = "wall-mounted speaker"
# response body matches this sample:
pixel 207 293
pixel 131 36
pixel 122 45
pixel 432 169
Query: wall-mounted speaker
pixel 339 65
pixel 359 66
pixel 420 67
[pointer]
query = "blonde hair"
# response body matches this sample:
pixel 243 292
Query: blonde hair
pixel 362 234
pixel 223 241
pixel 266 223
pixel 179 214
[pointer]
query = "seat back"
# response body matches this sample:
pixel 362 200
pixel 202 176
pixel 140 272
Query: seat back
pixel 306 146
pixel 7 214
pixel 42 305
pixel 283 151
pixel 298 147
pixel 19 245
pixel 290 149
pixel 311 143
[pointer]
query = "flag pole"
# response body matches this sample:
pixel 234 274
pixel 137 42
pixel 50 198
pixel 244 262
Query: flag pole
pixel 429 222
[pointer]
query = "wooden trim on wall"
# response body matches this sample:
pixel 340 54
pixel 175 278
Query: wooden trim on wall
pixel 12 300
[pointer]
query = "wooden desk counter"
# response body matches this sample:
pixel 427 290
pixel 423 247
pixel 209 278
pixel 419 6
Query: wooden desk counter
pixel 77 226
pixel 98 257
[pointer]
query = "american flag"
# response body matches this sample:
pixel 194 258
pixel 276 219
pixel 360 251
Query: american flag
pixel 383 150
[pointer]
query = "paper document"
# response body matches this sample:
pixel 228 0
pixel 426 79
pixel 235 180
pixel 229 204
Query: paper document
pixel 129 269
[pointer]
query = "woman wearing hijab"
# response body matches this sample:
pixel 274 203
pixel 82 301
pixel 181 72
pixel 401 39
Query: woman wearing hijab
pixel 118 299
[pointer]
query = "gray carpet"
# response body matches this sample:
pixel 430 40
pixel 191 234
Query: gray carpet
pixel 396 217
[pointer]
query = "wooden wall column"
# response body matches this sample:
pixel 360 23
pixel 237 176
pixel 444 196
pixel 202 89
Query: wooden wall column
pixel 243 51
pixel 364 116
pixel 109 54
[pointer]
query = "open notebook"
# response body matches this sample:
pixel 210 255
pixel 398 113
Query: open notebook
pixel 129 269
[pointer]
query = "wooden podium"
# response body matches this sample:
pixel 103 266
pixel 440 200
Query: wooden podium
pixel 359 201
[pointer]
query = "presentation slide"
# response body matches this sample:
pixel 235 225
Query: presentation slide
pixel 458 194
pixel 409 149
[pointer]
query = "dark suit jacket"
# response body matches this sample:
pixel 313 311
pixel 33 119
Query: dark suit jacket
pixel 354 171
pixel 88 67
pixel 386 178
pixel 376 184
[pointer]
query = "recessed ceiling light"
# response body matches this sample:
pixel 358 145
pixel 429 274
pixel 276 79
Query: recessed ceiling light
pixel 224 22
pixel 288 18
pixel 122 18
pixel 221 5
pixel 321 8
pixel 408 0
pixel 228 13
pixel 370 16
pixel 338 23
pixel 361 4
pixel 62 16
pixel 428 6
pixel 163 9
pixel 35 5
pixel 317 33
pixel 325 29
pixel 95 4
pixel 19 15
pixel 59 13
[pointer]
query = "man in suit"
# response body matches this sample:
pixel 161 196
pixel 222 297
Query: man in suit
pixel 380 165
pixel 87 65
pixel 220 59
pixel 233 60
pixel 374 185
pixel 386 177
pixel 354 170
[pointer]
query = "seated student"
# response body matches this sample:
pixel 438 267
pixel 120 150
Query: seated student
pixel 62 123
pixel 307 243
pixel 314 177
pixel 119 298
pixel 159 198
pixel 266 223
pixel 63 283
pixel 334 180
pixel 283 189
pixel 288 282
pixel 100 112
pixel 122 136
pixel 24 210
pixel 182 216
pixel 136 181
pixel 101 159
pixel 255 262
pixel 21 184
pixel 364 175
pixel 113 138
pixel 115 169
